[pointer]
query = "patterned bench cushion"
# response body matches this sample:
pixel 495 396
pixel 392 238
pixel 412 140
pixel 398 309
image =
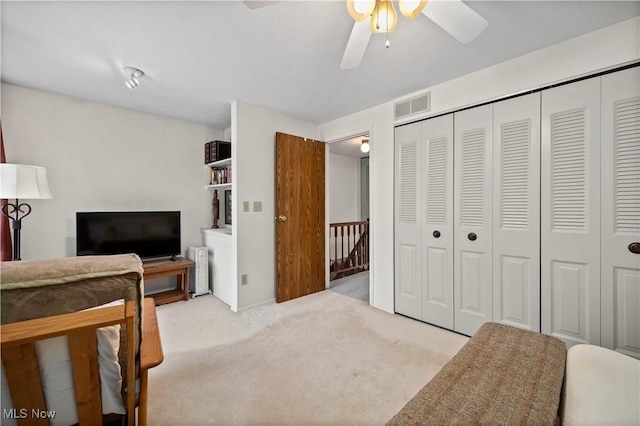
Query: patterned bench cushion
pixel 503 375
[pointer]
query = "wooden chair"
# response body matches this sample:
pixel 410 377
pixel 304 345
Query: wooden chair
pixel 140 345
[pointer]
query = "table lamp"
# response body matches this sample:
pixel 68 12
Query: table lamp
pixel 19 181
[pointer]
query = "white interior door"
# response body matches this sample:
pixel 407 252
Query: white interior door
pixel 473 157
pixel 516 212
pixel 437 221
pixel 621 211
pixel 570 197
pixel 408 234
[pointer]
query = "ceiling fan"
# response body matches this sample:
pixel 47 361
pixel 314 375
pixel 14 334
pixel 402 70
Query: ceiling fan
pixel 370 16
pixel 455 17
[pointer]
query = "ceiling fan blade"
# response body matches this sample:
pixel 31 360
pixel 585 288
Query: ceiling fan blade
pixel 357 44
pixel 256 4
pixel 456 18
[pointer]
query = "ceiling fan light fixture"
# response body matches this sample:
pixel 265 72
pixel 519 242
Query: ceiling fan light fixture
pixel 411 8
pixel 360 9
pixel 384 17
pixel 365 147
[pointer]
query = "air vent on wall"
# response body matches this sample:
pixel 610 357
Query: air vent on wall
pixel 412 106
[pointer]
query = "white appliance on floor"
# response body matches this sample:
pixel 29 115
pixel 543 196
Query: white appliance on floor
pixel 199 277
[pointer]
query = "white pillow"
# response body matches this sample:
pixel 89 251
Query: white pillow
pixel 54 359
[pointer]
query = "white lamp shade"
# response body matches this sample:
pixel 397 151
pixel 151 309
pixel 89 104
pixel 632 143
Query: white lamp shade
pixel 411 8
pixel 365 147
pixel 23 182
pixel 384 17
pixel 360 9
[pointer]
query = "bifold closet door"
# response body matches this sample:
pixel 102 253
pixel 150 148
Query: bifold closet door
pixel 516 212
pixel 408 232
pixel 621 211
pixel 473 157
pixel 437 221
pixel 570 207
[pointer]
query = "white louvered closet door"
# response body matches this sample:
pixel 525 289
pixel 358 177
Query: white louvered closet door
pixel 621 211
pixel 437 221
pixel 408 233
pixel 473 157
pixel 516 212
pixel 570 207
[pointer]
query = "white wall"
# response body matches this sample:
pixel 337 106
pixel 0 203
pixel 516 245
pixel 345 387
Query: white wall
pixel 344 188
pixel 253 131
pixel 343 177
pixel 99 158
pixel 614 45
pixel 592 52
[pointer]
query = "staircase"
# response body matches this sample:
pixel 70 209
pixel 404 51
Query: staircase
pixel 349 243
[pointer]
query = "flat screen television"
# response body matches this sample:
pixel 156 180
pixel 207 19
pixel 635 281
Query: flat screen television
pixel 149 234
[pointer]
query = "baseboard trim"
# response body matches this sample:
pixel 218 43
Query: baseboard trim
pixel 383 309
pixel 255 305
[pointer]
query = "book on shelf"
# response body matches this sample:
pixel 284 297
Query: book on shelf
pixel 220 176
pixel 218 150
pixel 207 153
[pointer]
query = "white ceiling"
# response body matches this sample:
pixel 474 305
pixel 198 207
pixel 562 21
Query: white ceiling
pixel 200 56
pixel 349 147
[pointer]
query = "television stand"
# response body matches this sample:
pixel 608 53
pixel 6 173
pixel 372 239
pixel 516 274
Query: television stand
pixel 166 268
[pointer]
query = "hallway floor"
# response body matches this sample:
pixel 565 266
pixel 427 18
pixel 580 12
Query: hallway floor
pixel 356 286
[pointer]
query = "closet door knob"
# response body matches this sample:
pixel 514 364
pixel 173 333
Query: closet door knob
pixel 436 234
pixel 634 248
pixel 472 236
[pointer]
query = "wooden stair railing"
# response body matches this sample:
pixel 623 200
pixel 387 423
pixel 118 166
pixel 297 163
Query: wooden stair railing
pixel 357 247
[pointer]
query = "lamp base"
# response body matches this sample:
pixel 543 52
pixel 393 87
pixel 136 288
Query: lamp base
pixel 16 212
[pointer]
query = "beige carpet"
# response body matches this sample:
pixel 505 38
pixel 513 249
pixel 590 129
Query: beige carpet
pixel 320 359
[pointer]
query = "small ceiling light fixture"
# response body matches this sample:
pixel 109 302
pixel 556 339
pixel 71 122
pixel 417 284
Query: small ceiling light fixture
pixel 382 13
pixel 134 74
pixel 365 147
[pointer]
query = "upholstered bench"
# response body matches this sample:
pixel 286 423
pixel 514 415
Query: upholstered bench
pixel 503 375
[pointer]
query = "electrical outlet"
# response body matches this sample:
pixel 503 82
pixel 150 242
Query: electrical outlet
pixel 245 206
pixel 257 206
pixel 245 279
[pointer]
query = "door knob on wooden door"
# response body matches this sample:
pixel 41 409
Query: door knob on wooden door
pixel 281 218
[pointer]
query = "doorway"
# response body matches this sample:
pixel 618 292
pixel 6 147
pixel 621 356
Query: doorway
pixel 348 236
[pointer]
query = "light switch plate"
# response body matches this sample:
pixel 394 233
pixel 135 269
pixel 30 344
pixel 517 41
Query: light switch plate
pixel 245 206
pixel 257 206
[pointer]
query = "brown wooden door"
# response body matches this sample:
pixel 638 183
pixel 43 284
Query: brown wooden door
pixel 300 224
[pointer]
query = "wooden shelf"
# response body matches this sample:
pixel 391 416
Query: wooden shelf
pixel 167 268
pixel 168 296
